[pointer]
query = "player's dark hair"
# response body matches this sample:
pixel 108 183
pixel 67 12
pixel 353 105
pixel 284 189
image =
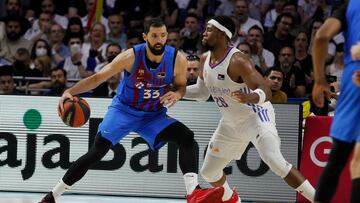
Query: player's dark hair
pixel 226 21
pixel 154 22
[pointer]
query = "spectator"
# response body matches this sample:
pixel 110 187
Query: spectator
pixel 75 65
pixel 190 35
pixel 108 88
pixel 170 13
pixel 336 68
pixel 262 57
pixel 303 60
pixel 58 82
pixel 74 28
pixel 7 84
pixel 117 30
pixel 112 50
pixel 15 27
pixel 94 50
pixel 43 66
pixel 59 50
pixel 12 7
pixel 40 29
pixel 40 49
pixel 134 11
pixel 241 14
pixel 274 77
pixel 294 79
pixel 315 25
pixel 133 38
pixel 245 48
pixel 225 8
pixel 193 69
pixel 273 14
pixel 291 8
pixel 21 66
pixel 280 36
pixel 48 6
pixel 85 19
pixel 306 9
pixel 174 39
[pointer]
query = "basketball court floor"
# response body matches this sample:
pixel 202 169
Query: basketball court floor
pixel 18 197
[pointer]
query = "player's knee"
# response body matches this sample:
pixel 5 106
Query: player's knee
pixel 210 175
pixel 187 138
pixel 278 165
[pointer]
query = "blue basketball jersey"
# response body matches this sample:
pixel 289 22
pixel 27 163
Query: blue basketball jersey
pixel 142 88
pixel 352 31
pixel 136 107
pixel 345 125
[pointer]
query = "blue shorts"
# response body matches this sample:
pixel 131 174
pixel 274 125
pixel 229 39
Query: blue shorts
pixel 346 122
pixel 121 119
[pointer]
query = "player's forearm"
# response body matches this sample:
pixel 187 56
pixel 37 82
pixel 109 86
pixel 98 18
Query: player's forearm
pixel 319 52
pixel 85 85
pixel 197 91
pixel 181 90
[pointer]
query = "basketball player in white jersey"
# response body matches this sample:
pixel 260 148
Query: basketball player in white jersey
pixel 242 96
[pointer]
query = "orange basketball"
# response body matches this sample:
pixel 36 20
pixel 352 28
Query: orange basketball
pixel 76 112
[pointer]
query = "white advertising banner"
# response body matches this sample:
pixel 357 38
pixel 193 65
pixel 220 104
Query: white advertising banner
pixel 36 149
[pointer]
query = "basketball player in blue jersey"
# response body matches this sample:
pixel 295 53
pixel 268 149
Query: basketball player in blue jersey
pixel 242 97
pixel 345 128
pixel 150 70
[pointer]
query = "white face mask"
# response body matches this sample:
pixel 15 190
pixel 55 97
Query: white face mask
pixel 75 48
pixel 41 52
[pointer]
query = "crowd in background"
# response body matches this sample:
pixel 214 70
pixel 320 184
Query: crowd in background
pixel 48 45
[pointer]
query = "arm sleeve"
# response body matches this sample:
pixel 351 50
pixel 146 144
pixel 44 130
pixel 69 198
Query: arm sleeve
pixel 197 91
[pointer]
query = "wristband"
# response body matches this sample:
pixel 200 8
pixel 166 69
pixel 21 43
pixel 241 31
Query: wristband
pixel 262 95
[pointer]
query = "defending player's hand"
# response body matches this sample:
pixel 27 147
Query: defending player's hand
pixel 64 96
pixel 170 98
pixel 320 91
pixel 356 78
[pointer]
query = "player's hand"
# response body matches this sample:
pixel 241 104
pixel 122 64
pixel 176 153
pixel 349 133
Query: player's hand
pixel 355 51
pixel 170 98
pixel 356 78
pixel 320 91
pixel 242 97
pixel 64 96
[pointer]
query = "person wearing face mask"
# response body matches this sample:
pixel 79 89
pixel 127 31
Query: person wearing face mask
pixel 112 50
pixel 75 65
pixel 40 49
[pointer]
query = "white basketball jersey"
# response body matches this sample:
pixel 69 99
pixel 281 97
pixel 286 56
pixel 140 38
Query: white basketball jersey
pixel 220 86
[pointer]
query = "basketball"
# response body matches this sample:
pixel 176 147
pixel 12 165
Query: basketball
pixel 76 112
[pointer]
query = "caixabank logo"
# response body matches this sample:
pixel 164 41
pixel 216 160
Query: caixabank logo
pixel 59 157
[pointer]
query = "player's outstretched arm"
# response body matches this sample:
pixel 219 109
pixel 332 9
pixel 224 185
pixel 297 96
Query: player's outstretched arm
pixel 327 31
pixel 241 68
pixel 123 61
pixel 198 91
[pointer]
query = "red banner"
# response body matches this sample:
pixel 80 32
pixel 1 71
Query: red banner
pixel 314 156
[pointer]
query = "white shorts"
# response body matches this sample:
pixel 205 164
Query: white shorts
pixel 231 137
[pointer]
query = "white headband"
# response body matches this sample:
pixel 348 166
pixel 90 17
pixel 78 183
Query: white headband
pixel 220 27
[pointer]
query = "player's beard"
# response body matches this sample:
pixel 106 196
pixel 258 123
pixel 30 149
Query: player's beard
pixel 156 51
pixel 207 47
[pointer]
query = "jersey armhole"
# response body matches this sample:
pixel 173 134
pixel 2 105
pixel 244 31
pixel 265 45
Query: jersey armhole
pixel 175 54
